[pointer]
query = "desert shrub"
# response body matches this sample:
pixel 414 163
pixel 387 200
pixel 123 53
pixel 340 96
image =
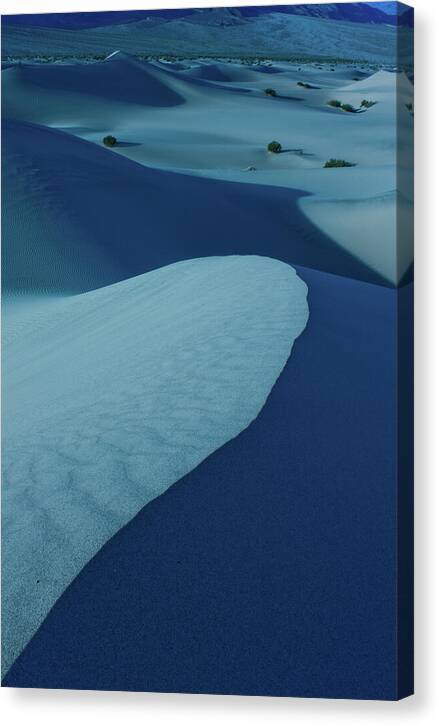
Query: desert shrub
pixel 367 104
pixel 348 108
pixel 334 103
pixel 303 85
pixel 409 107
pixel 270 92
pixel 109 140
pixel 335 163
pixel 275 147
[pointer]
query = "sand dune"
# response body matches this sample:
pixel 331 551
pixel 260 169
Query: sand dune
pixel 208 72
pixel 148 313
pixel 242 527
pixel 79 216
pixel 229 72
pixel 51 247
pixel 184 120
pixel 119 78
pixel 114 395
pixel 338 217
pixel 383 236
pixel 145 322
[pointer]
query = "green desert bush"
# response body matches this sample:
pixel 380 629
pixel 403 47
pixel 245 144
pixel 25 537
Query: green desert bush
pixel 109 140
pixel 303 85
pixel 367 104
pixel 275 147
pixel 334 103
pixel 270 92
pixel 336 163
pixel 348 108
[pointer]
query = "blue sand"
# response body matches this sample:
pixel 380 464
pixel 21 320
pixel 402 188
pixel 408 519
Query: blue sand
pixel 271 568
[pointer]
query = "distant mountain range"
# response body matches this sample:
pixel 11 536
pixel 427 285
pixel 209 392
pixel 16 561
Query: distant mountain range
pixel 388 13
pixel 282 32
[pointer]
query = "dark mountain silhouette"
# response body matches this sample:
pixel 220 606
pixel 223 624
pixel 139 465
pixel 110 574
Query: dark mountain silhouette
pixel 221 17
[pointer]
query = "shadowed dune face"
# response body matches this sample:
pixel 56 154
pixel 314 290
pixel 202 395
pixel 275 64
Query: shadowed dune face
pixel 119 78
pixel 114 395
pixel 78 216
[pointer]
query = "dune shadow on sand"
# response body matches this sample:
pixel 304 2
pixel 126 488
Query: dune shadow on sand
pixel 296 152
pixel 284 97
pixel 124 144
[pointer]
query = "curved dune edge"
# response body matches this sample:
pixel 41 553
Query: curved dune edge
pixel 116 394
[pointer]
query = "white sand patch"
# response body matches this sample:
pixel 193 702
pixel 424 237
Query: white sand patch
pixel 113 395
pixel 368 228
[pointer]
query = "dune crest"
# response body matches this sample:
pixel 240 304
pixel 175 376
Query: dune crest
pixel 114 395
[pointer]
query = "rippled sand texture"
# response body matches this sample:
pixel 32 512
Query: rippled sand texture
pixel 113 395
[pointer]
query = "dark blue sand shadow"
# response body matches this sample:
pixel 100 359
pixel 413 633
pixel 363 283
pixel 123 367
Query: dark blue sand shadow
pixel 291 98
pixel 107 79
pixel 124 144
